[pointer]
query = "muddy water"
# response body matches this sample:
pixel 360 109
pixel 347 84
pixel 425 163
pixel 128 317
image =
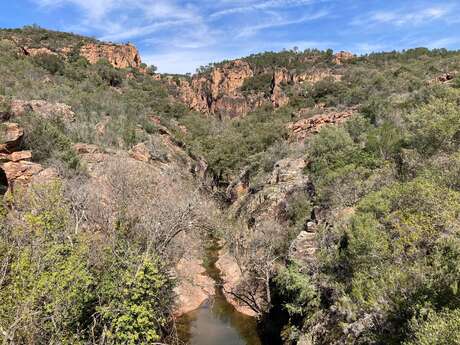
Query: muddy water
pixel 217 322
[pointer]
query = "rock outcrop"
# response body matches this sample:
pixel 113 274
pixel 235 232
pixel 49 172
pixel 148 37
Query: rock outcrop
pixel 220 92
pixel 278 97
pixel 118 55
pixel 194 287
pixel 38 51
pixel 342 57
pixel 11 137
pixel 231 278
pixel 42 108
pixel 15 166
pixel 24 172
pixel 141 153
pixel 270 198
pixel 302 129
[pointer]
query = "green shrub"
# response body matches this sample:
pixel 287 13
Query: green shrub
pixel 48 140
pixel 442 328
pixel 109 74
pixel 50 62
pixel 140 312
pixel 258 83
pixel 297 291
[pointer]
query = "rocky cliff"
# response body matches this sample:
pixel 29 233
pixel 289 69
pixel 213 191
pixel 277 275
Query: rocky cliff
pixel 220 91
pixel 118 55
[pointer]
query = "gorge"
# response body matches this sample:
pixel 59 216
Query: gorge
pixel 295 197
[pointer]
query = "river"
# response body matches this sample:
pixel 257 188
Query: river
pixel 217 322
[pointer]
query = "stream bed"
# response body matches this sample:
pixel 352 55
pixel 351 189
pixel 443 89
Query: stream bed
pixel 217 322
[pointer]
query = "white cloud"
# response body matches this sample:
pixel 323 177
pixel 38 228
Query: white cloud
pixel 94 9
pixel 278 21
pixel 404 17
pixel 257 6
pixel 442 42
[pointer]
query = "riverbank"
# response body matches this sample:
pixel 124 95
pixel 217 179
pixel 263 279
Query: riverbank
pixel 217 321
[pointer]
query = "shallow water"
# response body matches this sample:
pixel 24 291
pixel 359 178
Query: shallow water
pixel 217 322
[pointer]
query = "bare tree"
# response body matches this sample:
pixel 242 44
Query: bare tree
pixel 256 252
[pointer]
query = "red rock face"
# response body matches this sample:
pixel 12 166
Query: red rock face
pixel 15 165
pixel 343 56
pixel 220 93
pixel 302 129
pixel 120 56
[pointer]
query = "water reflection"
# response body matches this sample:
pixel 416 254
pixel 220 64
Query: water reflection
pixel 217 322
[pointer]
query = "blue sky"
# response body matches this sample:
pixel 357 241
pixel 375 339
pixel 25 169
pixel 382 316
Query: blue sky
pixel 180 35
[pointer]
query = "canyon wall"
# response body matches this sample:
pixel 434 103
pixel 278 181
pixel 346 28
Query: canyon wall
pixel 220 92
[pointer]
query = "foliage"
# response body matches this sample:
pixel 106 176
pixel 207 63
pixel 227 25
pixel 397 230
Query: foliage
pixel 441 328
pixel 48 140
pixel 297 291
pixel 52 63
pixel 138 314
pixel 230 146
pixel 258 83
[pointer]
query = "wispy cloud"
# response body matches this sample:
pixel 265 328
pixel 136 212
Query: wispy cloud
pixel 257 6
pixel 278 21
pixel 180 35
pixel 404 17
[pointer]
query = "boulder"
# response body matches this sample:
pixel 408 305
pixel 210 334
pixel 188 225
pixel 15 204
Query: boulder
pixel 194 286
pixel 141 152
pixel 22 171
pixel 42 108
pixel 342 56
pixel 20 156
pixel 304 247
pixel 11 137
pixel 82 148
pixel 288 171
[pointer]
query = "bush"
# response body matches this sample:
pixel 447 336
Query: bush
pixel 109 74
pixel 141 311
pixel 48 140
pixel 48 293
pixel 50 62
pixel 441 328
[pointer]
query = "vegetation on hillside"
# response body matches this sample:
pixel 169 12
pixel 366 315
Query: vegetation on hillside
pixel 386 271
pixel 77 266
pixel 389 274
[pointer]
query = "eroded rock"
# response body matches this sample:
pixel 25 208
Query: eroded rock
pixel 141 152
pixel 231 277
pixel 342 56
pixel 11 137
pixel 42 108
pixel 24 172
pixel 302 129
pixel 194 286
pixel 120 56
